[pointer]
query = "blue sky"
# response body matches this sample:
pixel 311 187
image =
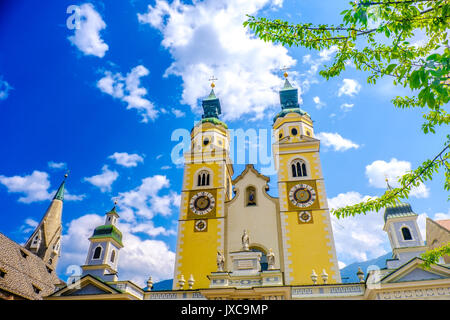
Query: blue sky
pixel 104 99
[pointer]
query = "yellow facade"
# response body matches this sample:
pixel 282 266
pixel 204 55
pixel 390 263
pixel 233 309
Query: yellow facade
pixel 196 247
pixel 211 221
pixel 307 245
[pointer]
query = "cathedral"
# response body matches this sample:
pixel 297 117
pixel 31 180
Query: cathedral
pixel 234 240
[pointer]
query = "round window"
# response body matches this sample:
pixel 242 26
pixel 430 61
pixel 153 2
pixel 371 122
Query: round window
pixel 280 135
pixel 294 131
pixel 206 141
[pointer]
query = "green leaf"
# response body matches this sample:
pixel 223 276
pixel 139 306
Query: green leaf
pixel 390 67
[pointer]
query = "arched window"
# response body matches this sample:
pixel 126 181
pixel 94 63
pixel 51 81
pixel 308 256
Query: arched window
pixel 298 168
pixel 97 253
pixel 406 234
pixel 113 256
pixel 250 196
pixel 203 178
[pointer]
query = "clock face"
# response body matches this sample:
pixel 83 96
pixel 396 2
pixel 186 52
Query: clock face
pixel 304 216
pixel 202 203
pixel 200 225
pixel 302 195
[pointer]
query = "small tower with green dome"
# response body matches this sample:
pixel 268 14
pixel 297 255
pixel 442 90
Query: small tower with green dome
pixel 103 255
pixel 400 223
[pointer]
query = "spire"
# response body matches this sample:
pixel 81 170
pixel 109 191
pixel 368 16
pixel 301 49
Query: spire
pixel 288 95
pixel 45 241
pixel 288 98
pixel 60 193
pixel 387 183
pixel 211 105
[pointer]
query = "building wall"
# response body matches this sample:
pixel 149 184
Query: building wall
pixel 261 221
pixel 437 236
pixel 413 228
pixel 306 246
pixel 197 251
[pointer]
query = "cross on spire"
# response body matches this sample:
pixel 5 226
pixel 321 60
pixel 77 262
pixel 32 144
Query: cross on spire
pixel 212 79
pixel 285 69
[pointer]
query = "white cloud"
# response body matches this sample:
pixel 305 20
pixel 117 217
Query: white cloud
pixel 324 56
pixel 126 159
pixel 207 38
pixel 34 187
pixel 145 200
pixel 347 107
pixel 87 35
pixel 421 191
pixel 349 87
pixel 103 180
pixel 336 141
pixel 318 102
pixel 309 77
pixel 73 197
pixel 178 113
pixel 128 89
pixel 379 170
pixel 57 165
pixel 166 167
pixel 140 259
pixel 5 87
pixel 360 237
pixel 30 225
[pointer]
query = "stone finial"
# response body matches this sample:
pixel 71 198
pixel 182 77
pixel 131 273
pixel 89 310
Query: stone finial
pixel 181 282
pixel 271 260
pixel 324 276
pixel 314 276
pixel 150 283
pixel 360 275
pixel 245 241
pixel 191 281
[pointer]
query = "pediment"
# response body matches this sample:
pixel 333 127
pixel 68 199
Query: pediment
pixel 414 271
pixel 87 285
pixel 251 171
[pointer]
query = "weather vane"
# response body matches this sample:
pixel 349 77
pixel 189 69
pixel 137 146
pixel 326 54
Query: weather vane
pixel 212 79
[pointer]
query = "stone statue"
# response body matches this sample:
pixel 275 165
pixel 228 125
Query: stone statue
pixel 271 260
pixel 245 241
pixel 220 261
pixel 251 198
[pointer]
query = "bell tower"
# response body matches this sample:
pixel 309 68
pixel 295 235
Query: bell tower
pixel 306 231
pixel 103 255
pixel 206 187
